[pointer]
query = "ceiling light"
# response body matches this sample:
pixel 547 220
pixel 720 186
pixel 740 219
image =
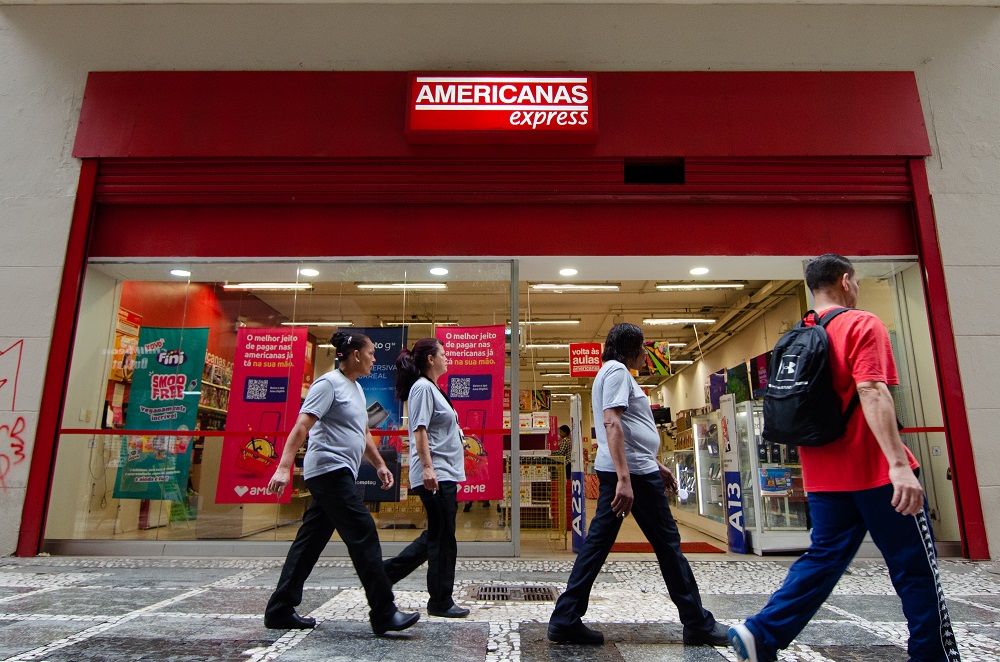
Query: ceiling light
pixel 662 321
pixel 547 346
pixel 402 286
pixel 552 363
pixel 677 344
pixel 268 286
pixel 561 395
pixel 439 271
pixel 686 287
pixel 568 272
pixel 309 273
pixel 555 374
pixel 180 272
pixel 563 386
pixel 535 322
pixel 573 287
pixel 418 323
pixel 317 324
pixel 672 362
pixel 699 271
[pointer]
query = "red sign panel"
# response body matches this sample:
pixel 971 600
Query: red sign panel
pixel 584 359
pixel 501 108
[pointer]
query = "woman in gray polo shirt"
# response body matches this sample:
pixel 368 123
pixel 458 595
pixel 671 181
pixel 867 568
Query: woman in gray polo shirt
pixel 437 466
pixel 336 421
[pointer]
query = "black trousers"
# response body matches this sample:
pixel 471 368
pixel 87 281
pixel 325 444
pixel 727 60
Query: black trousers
pixel 336 506
pixel 436 545
pixel 652 514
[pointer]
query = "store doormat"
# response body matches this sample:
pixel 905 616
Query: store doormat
pixel 686 547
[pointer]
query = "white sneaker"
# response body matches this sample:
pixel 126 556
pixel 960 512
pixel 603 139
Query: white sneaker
pixel 742 641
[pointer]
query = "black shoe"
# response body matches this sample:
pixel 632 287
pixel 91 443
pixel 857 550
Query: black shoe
pixel 486 504
pixel 453 611
pixel 468 507
pixel 717 636
pixel 575 634
pixel 291 622
pixel 399 621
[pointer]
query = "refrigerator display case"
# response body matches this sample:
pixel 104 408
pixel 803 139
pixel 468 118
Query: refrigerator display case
pixel 708 466
pixel 686 498
pixel 775 510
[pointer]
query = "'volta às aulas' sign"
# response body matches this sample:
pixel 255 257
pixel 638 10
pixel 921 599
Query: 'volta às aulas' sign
pixel 501 108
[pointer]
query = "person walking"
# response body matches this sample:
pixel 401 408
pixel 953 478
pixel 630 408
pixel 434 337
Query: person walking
pixel 336 420
pixel 863 482
pixel 632 481
pixel 437 466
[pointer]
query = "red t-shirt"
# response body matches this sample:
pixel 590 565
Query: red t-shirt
pixel 859 352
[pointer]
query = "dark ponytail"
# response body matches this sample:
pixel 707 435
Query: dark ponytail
pixel 411 364
pixel 346 342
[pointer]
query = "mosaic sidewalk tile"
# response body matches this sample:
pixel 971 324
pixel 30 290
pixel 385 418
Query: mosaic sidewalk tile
pixel 89 600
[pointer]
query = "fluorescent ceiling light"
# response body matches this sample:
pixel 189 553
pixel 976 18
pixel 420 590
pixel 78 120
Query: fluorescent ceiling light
pixel 573 287
pixel 317 324
pixel 568 272
pixel 180 272
pixel 685 287
pixel 555 374
pixel 663 321
pixel 553 363
pixel 547 346
pixel 560 322
pixel 561 395
pixel 418 323
pixel 402 286
pixel 699 271
pixel 326 345
pixel 309 273
pixel 563 386
pixel 439 271
pixel 268 286
pixel 677 344
pixel 672 362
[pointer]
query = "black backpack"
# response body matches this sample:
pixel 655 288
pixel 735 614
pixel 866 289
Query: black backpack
pixel 801 407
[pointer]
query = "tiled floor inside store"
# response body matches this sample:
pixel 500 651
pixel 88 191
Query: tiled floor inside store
pixel 62 608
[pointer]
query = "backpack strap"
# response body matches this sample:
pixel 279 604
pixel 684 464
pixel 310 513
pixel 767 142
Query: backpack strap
pixel 823 321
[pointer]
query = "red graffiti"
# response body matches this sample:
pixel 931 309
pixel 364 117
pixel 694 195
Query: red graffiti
pixel 11 444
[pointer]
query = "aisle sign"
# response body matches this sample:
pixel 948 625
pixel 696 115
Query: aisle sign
pixel 166 385
pixel 730 465
pixel 577 492
pixel 265 399
pixel 584 359
pixel 474 384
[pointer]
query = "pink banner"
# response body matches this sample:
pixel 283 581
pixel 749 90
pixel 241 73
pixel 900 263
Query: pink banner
pixel 265 400
pixel 474 383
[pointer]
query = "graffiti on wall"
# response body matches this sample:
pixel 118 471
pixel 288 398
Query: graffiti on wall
pixel 12 425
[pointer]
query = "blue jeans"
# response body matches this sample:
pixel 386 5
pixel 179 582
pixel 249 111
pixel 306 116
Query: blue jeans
pixel 652 514
pixel 840 521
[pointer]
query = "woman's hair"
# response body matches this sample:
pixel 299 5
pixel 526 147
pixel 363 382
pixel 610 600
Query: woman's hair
pixel 412 363
pixel 565 428
pixel 624 343
pixel 346 342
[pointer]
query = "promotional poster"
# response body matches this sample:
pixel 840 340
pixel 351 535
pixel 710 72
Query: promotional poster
pixel 166 386
pixel 264 399
pixel 474 384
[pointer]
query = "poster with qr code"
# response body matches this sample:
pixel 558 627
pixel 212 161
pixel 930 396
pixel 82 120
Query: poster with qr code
pixel 474 384
pixel 264 400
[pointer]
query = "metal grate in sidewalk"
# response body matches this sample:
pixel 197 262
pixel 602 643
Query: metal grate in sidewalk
pixel 512 593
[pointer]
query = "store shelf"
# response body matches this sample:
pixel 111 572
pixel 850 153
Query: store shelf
pixel 212 410
pixel 224 388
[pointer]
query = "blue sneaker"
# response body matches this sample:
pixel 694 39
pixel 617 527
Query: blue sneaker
pixel 742 641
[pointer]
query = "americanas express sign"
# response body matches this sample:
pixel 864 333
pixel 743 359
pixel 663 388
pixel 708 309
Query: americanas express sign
pixel 501 108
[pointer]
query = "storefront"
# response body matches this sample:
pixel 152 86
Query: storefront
pixel 260 177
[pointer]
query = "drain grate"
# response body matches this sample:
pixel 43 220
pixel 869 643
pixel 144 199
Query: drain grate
pixel 515 593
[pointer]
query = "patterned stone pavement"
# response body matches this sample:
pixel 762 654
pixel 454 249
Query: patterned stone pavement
pixel 61 608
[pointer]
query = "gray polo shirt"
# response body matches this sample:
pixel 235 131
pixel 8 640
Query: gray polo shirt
pixel 337 441
pixel 427 406
pixel 614 386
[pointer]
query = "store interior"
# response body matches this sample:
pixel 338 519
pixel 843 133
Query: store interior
pixel 713 320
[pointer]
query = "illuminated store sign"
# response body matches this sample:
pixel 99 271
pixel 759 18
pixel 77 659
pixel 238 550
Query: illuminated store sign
pixel 501 108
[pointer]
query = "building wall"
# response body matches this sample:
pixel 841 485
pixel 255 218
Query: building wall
pixel 46 52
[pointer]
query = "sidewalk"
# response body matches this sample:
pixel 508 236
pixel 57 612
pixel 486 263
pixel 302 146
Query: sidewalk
pixel 60 608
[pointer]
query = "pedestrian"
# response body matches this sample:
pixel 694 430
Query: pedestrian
pixel 437 466
pixel 335 419
pixel 565 448
pixel 862 482
pixel 632 481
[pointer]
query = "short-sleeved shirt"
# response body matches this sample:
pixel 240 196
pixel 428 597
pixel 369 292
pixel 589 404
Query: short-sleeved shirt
pixel 337 440
pixel 614 387
pixel 860 351
pixel 427 407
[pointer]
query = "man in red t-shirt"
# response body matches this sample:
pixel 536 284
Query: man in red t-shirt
pixel 863 482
